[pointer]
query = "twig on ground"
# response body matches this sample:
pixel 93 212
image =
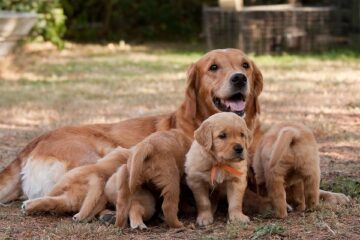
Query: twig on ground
pixel 328 228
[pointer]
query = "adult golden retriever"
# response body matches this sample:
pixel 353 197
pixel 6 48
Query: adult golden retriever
pixel 221 80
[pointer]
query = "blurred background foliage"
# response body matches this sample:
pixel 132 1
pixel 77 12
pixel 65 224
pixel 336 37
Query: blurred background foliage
pixel 50 25
pixel 129 20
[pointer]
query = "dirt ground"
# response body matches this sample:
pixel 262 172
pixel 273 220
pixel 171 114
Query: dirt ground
pixel 42 88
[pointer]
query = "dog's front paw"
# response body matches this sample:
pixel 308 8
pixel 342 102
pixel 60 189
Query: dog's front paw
pixel 238 216
pixel 331 198
pixel 205 218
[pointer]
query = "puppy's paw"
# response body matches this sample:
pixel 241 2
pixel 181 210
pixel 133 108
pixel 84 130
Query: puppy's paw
pixel 23 208
pixel 139 225
pixel 300 207
pixel 176 224
pixel 26 207
pixel 76 218
pixel 205 218
pixel 331 198
pixel 281 213
pixel 238 216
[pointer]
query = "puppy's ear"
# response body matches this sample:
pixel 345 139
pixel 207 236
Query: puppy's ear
pixel 203 135
pixel 252 104
pixel 190 92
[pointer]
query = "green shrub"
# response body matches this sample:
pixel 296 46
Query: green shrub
pixel 134 20
pixel 50 25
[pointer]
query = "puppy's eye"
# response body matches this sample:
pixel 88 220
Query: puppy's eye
pixel 222 135
pixel 213 67
pixel 242 135
pixel 246 65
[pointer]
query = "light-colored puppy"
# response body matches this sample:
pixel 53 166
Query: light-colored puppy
pixel 81 189
pixel 217 161
pixel 286 165
pixel 159 160
pixel 141 204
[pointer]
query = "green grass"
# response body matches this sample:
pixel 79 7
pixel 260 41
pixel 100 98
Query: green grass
pixel 269 229
pixel 347 185
pixel 92 84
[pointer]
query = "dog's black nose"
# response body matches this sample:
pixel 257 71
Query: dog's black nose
pixel 238 80
pixel 238 149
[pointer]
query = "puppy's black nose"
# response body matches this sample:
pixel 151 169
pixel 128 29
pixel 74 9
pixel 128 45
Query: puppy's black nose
pixel 238 80
pixel 238 149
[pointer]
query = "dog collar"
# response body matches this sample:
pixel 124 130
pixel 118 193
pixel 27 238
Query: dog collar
pixel 226 168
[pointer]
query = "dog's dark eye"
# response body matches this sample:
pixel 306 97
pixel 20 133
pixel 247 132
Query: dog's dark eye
pixel 242 135
pixel 222 135
pixel 213 67
pixel 245 65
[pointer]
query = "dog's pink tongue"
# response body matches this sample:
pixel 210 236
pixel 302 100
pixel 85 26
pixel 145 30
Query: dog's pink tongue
pixel 238 105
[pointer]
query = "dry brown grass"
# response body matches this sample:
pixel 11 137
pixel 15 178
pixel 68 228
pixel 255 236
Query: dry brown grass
pixel 42 90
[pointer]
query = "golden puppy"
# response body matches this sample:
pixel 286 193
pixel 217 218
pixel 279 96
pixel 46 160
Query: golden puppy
pixel 217 161
pixel 81 189
pixel 287 157
pixel 158 159
pixel 141 204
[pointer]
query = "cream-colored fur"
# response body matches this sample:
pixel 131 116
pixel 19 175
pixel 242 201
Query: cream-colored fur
pixel 81 189
pixel 211 148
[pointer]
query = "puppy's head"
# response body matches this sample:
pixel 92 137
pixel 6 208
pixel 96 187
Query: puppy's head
pixel 225 136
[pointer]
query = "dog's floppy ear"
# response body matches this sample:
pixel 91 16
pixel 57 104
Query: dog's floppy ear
pixel 203 135
pixel 190 92
pixel 252 104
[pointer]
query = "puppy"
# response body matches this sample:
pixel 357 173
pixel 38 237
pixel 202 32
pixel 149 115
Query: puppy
pixel 81 189
pixel 287 157
pixel 217 161
pixel 141 204
pixel 158 159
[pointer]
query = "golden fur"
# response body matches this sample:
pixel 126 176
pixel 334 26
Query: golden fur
pixel 141 203
pixel 216 141
pixel 159 160
pixel 74 146
pixel 81 189
pixel 287 157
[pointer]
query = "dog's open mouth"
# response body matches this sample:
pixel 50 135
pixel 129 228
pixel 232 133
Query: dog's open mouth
pixel 235 104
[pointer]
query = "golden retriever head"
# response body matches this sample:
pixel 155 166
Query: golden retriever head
pixel 225 136
pixel 223 80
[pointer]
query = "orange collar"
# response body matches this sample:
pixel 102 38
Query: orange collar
pixel 225 167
